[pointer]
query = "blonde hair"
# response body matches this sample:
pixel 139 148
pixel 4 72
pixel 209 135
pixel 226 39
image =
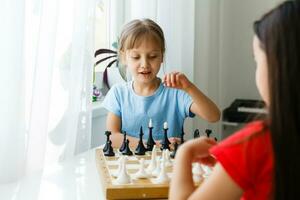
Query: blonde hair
pixel 134 31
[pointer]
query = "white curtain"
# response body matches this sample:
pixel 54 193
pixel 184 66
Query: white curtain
pixel 46 75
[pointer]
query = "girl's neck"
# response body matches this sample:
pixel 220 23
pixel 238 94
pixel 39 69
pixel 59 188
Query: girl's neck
pixel 146 89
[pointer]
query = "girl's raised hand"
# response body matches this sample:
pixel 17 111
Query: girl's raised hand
pixel 176 80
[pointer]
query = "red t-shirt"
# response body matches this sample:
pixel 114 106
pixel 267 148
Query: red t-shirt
pixel 247 157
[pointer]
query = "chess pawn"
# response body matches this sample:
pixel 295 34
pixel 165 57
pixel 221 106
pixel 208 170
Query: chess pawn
pixel 197 169
pixel 168 161
pixel 110 150
pixel 140 149
pixel 162 176
pixel 107 133
pixel 120 161
pixel 141 173
pixel 122 148
pixel 123 176
pixel 127 150
pixel 208 132
pixel 158 167
pixel 207 171
pixel 196 133
pixel 152 164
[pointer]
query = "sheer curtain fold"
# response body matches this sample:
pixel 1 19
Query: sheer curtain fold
pixel 49 49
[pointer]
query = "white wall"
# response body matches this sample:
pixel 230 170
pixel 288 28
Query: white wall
pixel 224 65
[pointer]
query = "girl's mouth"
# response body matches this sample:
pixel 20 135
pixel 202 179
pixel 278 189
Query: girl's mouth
pixel 145 73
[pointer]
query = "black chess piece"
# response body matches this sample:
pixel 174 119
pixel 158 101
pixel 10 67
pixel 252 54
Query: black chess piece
pixel 216 139
pixel 110 150
pixel 150 141
pixel 107 133
pixel 140 149
pixel 127 150
pixel 208 132
pixel 172 155
pixel 182 136
pixel 196 133
pixel 122 148
pixel 165 142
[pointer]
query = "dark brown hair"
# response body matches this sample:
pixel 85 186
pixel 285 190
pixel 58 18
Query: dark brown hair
pixel 279 35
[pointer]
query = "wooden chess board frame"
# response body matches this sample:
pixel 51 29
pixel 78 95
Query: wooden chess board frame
pixel 138 189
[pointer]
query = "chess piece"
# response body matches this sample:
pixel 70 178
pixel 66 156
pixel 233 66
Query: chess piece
pixel 174 151
pixel 216 139
pixel 140 149
pixel 196 133
pixel 141 173
pixel 120 161
pixel 107 133
pixel 127 150
pixel 208 132
pixel 207 171
pixel 150 141
pixel 182 136
pixel 156 171
pixel 165 142
pixel 123 176
pixel 162 176
pixel 168 161
pixel 152 164
pixel 197 172
pixel 124 142
pixel 109 151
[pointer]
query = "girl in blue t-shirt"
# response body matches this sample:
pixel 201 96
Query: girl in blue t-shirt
pixel 133 104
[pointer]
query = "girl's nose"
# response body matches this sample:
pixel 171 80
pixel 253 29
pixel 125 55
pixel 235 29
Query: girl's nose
pixel 144 63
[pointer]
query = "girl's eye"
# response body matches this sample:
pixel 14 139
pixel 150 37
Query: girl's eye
pixel 135 57
pixel 152 57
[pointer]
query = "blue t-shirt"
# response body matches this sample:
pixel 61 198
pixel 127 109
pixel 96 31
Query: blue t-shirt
pixel 165 105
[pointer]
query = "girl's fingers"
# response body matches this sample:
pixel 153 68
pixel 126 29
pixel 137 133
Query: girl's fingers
pixel 172 80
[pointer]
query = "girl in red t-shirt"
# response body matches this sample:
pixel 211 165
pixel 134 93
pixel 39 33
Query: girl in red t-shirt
pixel 261 161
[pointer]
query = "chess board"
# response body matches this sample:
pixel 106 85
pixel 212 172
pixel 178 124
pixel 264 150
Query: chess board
pixel 138 189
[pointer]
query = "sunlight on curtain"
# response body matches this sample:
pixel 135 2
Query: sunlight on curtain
pixel 46 84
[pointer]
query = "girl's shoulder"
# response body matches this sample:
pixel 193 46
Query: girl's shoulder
pixel 252 133
pixel 121 87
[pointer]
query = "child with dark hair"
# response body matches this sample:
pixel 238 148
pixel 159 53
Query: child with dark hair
pixel 261 161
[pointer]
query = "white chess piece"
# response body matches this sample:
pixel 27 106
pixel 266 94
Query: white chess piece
pixel 198 172
pixel 152 164
pixel 162 176
pixel 120 161
pixel 207 171
pixel 168 158
pixel 141 173
pixel 158 167
pixel 123 176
